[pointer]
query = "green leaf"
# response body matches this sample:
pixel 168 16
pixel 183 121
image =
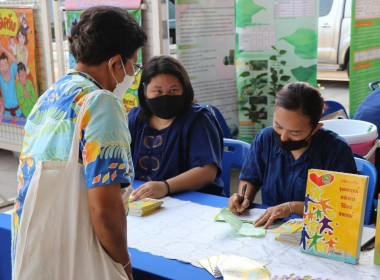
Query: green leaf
pixel 245 74
pixel 282 62
pixel 304 41
pixel 273 58
pixel 305 74
pixel 245 9
pixel 285 78
pixel 282 52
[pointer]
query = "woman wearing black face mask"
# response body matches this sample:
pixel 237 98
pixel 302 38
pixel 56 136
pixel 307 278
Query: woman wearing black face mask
pixel 280 156
pixel 176 145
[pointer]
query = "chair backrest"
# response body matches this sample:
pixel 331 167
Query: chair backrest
pixel 333 106
pixel 367 168
pixel 234 154
pixel 374 85
pixel 222 122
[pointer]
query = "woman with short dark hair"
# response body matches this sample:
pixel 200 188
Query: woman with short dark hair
pixel 176 145
pixel 104 43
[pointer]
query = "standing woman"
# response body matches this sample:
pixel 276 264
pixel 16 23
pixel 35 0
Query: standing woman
pixel 176 145
pixel 104 42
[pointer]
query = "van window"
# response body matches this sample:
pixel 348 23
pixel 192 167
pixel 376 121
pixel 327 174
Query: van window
pixel 325 7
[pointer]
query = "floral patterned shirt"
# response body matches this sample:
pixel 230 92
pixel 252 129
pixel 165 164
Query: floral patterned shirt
pixel 104 144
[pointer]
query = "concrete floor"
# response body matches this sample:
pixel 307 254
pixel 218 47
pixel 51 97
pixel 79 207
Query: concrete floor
pixel 334 84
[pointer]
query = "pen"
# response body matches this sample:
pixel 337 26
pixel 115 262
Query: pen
pixel 243 193
pixel 367 244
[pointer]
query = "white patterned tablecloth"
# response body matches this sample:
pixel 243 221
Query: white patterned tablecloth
pixel 186 231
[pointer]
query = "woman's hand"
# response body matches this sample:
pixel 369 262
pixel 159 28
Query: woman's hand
pixel 237 204
pixel 151 189
pixel 272 213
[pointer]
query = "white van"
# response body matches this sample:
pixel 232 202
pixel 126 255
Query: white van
pixel 334 34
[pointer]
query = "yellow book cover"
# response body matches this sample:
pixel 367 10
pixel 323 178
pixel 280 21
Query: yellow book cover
pixel 144 206
pixel 334 214
pixel 377 238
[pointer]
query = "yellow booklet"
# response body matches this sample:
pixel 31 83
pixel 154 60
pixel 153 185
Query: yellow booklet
pixel 144 207
pixel 334 214
pixel 377 238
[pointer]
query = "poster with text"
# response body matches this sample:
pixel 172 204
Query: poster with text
pixel 205 41
pixel 364 50
pixel 276 43
pixel 130 98
pixel 18 74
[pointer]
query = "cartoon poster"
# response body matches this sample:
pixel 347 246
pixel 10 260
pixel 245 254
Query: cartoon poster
pixel 130 98
pixel 18 82
pixel 276 43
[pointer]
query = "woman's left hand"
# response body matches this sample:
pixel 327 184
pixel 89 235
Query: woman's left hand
pixel 151 189
pixel 272 213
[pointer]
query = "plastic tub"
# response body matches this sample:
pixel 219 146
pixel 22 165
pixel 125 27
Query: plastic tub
pixel 361 135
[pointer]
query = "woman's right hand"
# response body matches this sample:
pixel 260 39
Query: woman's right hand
pixel 237 204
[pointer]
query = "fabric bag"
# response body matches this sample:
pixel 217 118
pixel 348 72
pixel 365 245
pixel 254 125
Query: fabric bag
pixel 56 239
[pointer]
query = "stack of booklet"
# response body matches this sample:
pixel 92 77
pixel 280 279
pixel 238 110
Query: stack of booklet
pixel 144 207
pixel 290 231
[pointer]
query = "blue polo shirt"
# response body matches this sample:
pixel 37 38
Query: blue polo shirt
pixel 280 177
pixel 369 109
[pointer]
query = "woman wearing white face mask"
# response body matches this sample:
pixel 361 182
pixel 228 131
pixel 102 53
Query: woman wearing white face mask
pixel 104 43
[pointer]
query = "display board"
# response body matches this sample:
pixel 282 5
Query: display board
pixel 276 43
pixel 365 50
pixel 205 31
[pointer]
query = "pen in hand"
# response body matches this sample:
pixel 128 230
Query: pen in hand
pixel 242 195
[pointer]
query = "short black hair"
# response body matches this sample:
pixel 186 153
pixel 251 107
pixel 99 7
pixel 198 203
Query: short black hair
pixel 163 64
pixel 301 96
pixel 103 32
pixel 3 56
pixel 21 66
pixel 22 30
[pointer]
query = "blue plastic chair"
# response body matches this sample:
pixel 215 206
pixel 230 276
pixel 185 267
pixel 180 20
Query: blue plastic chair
pixel 234 154
pixel 222 122
pixel 367 168
pixel 333 106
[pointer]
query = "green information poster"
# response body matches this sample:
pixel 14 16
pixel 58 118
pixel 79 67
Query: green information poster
pixel 365 50
pixel 276 43
pixel 130 98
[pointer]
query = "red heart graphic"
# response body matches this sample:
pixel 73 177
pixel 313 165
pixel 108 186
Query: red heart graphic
pixel 321 180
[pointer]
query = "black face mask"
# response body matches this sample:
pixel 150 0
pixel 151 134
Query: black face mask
pixel 290 145
pixel 166 106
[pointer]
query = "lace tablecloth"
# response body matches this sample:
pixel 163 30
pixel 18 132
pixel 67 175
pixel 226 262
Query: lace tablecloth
pixel 186 231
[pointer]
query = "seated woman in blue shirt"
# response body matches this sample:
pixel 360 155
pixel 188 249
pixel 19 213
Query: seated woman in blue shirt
pixel 280 156
pixel 176 145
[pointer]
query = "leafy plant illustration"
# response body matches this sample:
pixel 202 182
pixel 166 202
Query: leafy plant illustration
pixel 245 9
pixel 277 73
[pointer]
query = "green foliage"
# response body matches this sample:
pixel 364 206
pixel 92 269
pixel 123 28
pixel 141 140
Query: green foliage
pixel 278 78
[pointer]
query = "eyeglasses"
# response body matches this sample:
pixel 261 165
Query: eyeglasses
pixel 136 67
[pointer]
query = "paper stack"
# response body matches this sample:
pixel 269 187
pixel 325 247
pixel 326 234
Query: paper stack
pixel 144 207
pixel 290 231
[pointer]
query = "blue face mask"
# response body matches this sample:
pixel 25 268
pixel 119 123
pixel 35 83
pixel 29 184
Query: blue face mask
pixel 290 145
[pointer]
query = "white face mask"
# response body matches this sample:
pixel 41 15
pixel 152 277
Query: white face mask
pixel 122 87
